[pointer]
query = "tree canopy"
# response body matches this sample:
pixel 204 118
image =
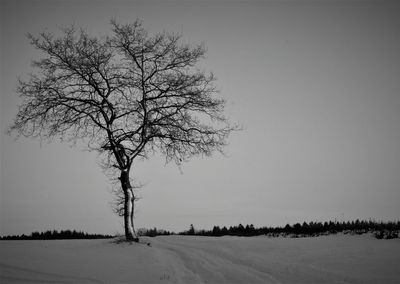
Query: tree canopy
pixel 127 94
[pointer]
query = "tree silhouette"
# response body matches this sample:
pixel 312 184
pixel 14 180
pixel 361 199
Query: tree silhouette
pixel 128 95
pixel 191 230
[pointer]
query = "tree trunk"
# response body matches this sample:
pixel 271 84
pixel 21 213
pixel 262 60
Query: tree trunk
pixel 129 200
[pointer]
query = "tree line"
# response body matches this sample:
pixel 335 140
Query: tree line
pixel 386 230
pixel 381 230
pixel 56 235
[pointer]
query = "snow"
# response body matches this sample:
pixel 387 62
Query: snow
pixel 187 259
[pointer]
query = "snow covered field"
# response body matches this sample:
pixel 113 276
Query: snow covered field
pixel 185 259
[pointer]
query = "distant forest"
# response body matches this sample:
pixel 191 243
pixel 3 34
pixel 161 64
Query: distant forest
pixel 56 235
pixel 381 230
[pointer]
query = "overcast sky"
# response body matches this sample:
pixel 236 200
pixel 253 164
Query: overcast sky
pixel 315 85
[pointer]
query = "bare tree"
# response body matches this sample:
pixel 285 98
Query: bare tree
pixel 128 95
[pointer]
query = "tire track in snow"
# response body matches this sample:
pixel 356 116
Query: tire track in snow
pixel 213 267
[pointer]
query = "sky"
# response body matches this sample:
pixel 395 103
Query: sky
pixel 314 85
